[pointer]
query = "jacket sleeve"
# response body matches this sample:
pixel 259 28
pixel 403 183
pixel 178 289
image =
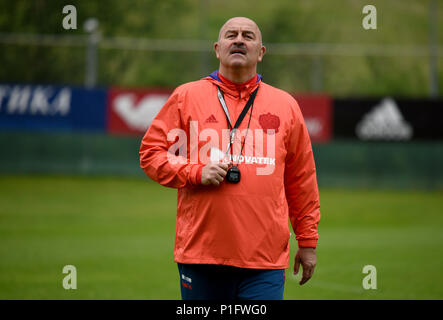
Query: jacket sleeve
pixel 301 183
pixel 161 151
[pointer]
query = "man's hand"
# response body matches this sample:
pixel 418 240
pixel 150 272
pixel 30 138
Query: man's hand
pixel 214 173
pixel 308 260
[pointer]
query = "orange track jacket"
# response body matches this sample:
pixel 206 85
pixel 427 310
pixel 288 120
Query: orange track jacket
pixel 246 224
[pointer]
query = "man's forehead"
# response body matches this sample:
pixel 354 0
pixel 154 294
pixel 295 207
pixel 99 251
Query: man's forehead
pixel 244 25
pixel 240 23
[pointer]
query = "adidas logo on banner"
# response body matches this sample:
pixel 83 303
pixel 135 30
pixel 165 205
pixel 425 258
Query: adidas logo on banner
pixel 384 122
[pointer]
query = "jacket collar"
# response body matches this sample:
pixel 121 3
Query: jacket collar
pixel 236 90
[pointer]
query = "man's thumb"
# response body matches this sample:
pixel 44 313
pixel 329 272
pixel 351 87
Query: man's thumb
pixel 296 265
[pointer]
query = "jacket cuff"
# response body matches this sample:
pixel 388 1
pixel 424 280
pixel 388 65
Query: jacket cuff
pixel 307 243
pixel 196 175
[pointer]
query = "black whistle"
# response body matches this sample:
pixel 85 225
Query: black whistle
pixel 233 175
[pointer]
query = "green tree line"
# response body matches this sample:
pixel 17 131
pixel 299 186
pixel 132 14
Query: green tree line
pixel 404 23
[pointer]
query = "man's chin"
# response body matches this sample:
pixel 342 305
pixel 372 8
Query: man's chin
pixel 237 63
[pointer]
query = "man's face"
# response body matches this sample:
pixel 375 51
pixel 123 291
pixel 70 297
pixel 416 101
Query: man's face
pixel 239 44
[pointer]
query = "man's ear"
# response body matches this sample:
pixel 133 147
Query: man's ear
pixel 262 53
pixel 216 46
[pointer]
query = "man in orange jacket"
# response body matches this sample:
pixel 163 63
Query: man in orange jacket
pixel 239 154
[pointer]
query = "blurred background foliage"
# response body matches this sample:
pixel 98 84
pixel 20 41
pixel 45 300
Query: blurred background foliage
pixel 404 23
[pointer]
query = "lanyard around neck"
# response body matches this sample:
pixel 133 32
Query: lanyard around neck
pixel 242 114
pixel 240 118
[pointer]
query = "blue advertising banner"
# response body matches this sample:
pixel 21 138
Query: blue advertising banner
pixel 47 107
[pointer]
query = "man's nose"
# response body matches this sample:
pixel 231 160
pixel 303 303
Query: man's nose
pixel 239 39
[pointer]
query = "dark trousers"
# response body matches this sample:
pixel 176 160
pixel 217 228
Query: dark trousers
pixel 218 282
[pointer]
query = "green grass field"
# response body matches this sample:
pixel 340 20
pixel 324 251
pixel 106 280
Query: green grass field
pixel 119 234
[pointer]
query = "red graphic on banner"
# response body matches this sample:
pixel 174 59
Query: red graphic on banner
pixel 131 111
pixel 317 112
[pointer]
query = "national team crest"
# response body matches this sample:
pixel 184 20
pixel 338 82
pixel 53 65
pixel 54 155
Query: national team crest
pixel 269 121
